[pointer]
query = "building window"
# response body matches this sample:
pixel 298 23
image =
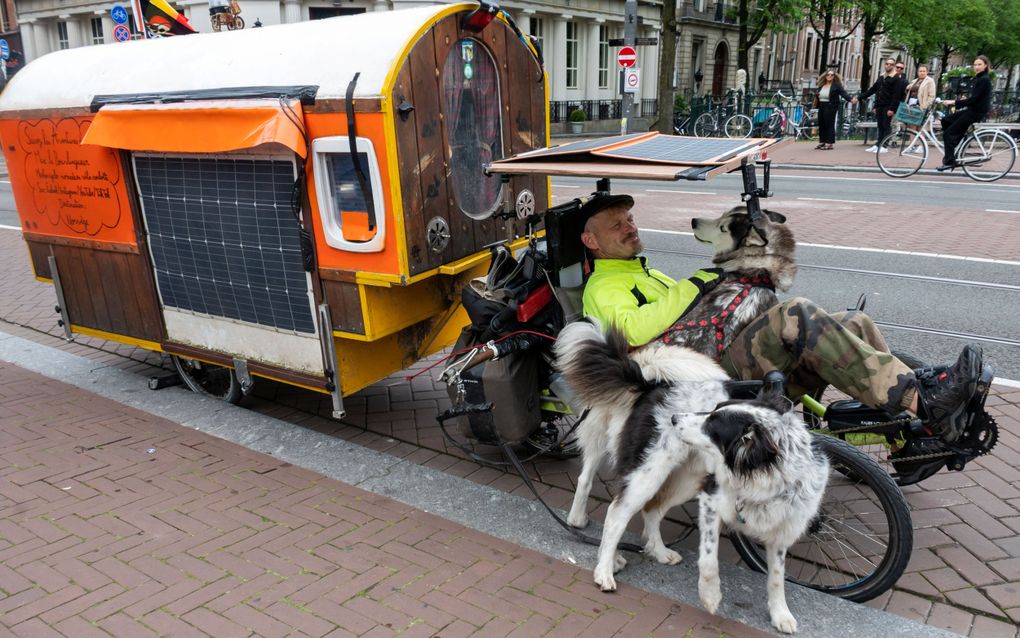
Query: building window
pixel 538 32
pixel 603 56
pixel 571 55
pixel 62 40
pixel 97 31
pixel 133 27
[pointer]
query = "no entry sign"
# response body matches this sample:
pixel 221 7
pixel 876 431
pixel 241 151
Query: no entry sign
pixel 627 57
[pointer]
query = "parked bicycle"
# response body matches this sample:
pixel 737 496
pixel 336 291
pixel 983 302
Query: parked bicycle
pixel 723 119
pixel 782 123
pixel 985 154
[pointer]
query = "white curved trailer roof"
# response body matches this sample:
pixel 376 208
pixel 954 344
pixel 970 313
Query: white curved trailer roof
pixel 326 53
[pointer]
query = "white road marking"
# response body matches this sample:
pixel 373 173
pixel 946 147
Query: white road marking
pixel 951 184
pixel 654 190
pixel 841 201
pixel 1000 210
pixel 564 186
pixel 3 227
pixel 888 251
pixel 1009 383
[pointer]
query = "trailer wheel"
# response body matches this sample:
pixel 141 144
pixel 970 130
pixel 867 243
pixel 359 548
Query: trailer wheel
pixel 208 379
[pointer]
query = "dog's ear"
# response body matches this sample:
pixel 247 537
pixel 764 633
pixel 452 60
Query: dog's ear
pixel 756 237
pixel 758 450
pixel 776 218
pixel 772 397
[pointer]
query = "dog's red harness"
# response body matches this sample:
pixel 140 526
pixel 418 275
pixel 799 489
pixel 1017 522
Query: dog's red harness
pixel 719 321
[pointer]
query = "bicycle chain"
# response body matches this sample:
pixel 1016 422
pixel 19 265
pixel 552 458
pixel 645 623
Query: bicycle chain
pixel 917 457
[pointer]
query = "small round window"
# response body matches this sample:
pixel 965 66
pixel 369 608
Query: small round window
pixel 473 127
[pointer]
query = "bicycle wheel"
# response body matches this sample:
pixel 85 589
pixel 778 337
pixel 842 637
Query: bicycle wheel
pixel 738 125
pixel 208 379
pixel 860 543
pixel 902 153
pixel 238 23
pixel 704 126
pixel 987 155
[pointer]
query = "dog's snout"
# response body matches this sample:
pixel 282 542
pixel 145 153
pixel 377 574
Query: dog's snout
pixel 694 223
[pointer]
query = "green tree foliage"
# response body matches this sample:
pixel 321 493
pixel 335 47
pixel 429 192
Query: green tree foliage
pixel 930 28
pixel 755 17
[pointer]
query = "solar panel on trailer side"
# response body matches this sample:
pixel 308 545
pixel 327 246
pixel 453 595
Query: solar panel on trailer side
pixel 224 240
pixel 679 150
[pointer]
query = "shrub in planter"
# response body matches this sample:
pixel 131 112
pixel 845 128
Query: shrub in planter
pixel 577 118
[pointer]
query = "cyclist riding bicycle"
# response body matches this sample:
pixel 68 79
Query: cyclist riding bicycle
pixel 976 106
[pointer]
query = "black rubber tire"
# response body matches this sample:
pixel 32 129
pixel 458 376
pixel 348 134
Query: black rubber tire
pixel 854 473
pixel 208 379
pixel 905 153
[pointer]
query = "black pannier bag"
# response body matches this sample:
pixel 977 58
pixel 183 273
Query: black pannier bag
pixel 510 383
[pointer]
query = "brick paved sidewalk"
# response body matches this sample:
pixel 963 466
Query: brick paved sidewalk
pixel 115 522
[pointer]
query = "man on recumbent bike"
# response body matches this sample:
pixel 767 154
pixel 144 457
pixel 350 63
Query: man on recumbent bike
pixel 810 346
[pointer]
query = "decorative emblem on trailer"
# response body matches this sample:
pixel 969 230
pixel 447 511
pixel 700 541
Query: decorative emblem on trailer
pixel 525 203
pixel 437 234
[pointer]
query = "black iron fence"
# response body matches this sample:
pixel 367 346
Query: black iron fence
pixel 560 110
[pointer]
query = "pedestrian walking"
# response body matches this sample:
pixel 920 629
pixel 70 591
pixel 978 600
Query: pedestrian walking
pixel 888 91
pixel 975 107
pixel 921 92
pixel 829 97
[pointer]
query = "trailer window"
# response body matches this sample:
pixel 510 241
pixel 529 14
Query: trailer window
pixel 343 206
pixel 473 126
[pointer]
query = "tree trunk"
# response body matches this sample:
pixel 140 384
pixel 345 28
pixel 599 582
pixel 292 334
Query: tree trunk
pixel 667 63
pixel 943 62
pixel 871 22
pixel 826 39
pixel 742 43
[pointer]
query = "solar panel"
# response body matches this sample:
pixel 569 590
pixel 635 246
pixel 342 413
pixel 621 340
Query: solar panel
pixel 224 239
pixel 584 145
pixel 680 150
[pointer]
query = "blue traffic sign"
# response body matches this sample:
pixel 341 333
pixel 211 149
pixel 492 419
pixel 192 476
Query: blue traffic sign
pixel 119 14
pixel 5 50
pixel 121 33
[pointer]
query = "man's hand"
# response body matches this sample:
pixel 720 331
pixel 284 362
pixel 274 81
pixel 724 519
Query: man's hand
pixel 706 278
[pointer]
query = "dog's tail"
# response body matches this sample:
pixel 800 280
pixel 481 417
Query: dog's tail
pixel 598 367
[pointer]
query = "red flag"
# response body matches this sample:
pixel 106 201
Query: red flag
pixel 162 20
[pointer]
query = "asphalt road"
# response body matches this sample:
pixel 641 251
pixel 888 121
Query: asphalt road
pixel 865 189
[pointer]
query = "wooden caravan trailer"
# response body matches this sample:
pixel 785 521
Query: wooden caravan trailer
pixel 200 195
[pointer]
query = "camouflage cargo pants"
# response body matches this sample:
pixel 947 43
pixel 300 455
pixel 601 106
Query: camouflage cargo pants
pixel 814 348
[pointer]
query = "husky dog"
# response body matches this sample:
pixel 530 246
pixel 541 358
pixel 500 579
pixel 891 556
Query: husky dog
pixel 757 259
pixel 663 416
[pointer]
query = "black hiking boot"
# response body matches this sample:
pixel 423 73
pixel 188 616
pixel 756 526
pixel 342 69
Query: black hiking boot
pixel 944 394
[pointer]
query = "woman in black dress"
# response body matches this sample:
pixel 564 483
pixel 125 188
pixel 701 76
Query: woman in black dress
pixel 829 97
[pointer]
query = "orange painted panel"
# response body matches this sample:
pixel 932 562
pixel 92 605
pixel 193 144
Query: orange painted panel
pixel 194 128
pixel 64 188
pixel 371 126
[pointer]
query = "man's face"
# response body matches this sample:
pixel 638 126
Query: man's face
pixel 889 65
pixel 899 69
pixel 612 234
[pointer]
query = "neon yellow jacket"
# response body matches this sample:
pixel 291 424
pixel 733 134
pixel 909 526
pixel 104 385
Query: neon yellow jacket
pixel 640 301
